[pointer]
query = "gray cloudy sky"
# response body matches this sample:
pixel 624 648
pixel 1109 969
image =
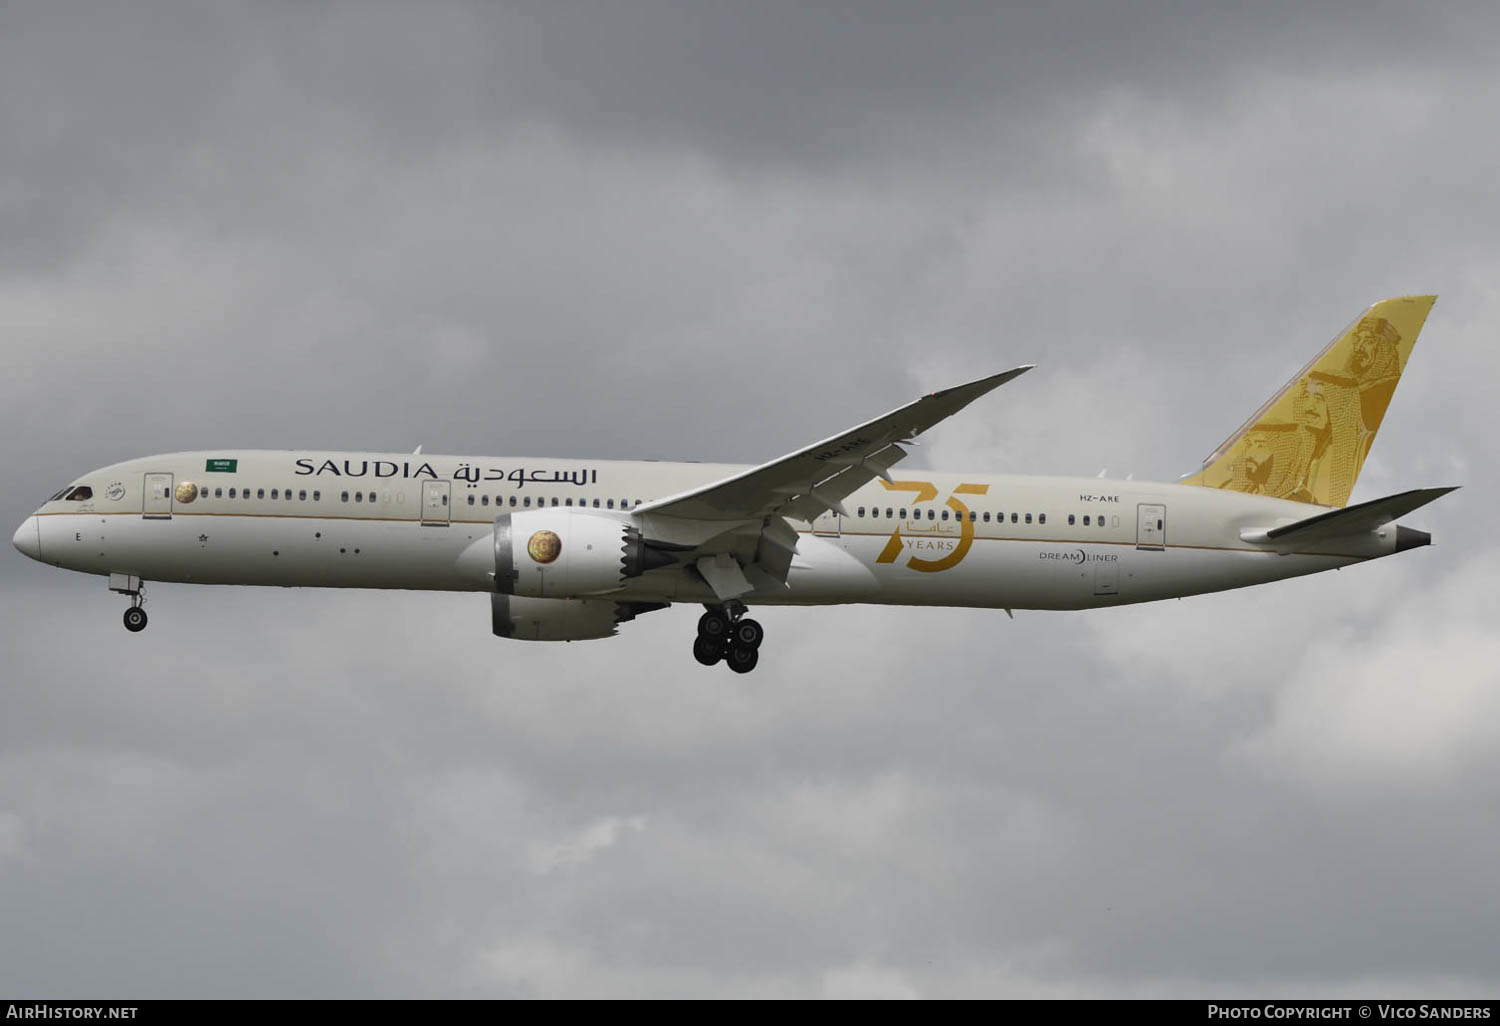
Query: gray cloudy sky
pixel 713 231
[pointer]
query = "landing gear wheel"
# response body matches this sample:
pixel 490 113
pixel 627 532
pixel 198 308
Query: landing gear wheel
pixel 747 633
pixel 135 619
pixel 708 651
pixel 713 625
pixel 741 659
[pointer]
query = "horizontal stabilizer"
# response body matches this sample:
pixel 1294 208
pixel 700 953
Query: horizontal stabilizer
pixel 1347 522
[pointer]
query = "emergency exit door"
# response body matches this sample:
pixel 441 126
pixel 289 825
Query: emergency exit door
pixel 1151 526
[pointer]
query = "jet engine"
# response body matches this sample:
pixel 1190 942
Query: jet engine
pixel 569 552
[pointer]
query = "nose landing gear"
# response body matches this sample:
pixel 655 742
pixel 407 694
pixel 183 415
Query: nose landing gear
pixel 726 634
pixel 135 616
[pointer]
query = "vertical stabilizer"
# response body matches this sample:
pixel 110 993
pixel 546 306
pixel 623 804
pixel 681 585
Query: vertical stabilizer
pixel 1309 441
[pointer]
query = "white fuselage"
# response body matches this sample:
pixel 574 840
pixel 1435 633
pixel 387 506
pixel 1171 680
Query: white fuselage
pixel 380 520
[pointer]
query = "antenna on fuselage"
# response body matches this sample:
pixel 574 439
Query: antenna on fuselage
pixel 417 451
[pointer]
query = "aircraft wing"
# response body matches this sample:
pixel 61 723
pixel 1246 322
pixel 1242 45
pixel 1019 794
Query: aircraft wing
pixel 805 484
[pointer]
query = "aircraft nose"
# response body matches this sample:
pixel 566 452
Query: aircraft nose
pixel 28 538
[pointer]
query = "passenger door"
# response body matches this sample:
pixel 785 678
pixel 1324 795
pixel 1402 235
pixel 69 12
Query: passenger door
pixel 827 525
pixel 435 503
pixel 157 504
pixel 1151 526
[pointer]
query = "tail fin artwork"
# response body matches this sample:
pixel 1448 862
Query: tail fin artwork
pixel 1310 440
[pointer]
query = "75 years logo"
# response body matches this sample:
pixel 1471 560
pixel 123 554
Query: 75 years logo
pixel 914 535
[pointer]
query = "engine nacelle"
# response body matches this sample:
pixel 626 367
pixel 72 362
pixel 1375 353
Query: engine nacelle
pixel 569 552
pixel 537 619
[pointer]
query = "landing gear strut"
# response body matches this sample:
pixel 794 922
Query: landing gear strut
pixel 135 616
pixel 726 634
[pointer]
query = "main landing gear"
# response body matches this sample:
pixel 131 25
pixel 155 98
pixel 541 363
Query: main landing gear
pixel 135 616
pixel 725 633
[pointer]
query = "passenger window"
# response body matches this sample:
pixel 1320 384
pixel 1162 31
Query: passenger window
pixel 260 493
pixel 903 513
pixel 986 516
pixel 231 493
pixel 932 514
pixel 609 503
pixel 1015 518
pixel 359 496
pixel 471 500
pixel 275 494
pixel 945 514
pixel 343 496
pixel 596 503
pixel 1085 520
pixel 527 503
pixel 861 512
pixel 1041 518
pixel 1070 520
pixel 568 502
pixel 512 501
pixel 302 494
pixel 1028 518
pixel 317 495
pixel 554 500
pixel 973 516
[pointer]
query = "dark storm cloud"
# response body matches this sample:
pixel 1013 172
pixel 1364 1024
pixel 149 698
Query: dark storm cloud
pixel 157 103
pixel 718 232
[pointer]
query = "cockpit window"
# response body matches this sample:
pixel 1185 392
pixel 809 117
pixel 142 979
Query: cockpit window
pixel 61 493
pixel 80 493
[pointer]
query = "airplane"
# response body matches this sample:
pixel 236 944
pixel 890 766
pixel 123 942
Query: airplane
pixel 569 550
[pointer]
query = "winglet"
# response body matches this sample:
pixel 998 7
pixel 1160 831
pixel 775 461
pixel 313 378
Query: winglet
pixel 982 385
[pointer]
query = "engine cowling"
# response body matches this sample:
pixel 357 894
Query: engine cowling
pixel 568 552
pixel 536 619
